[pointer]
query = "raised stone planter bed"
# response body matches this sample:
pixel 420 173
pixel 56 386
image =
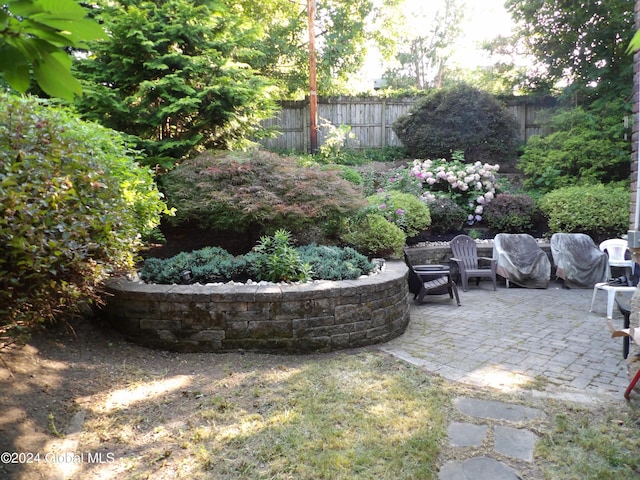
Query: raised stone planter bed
pixel 319 316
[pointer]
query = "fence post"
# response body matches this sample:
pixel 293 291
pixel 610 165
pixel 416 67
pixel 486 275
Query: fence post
pixel 383 126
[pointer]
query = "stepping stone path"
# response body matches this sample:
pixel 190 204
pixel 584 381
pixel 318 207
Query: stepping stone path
pixel 510 441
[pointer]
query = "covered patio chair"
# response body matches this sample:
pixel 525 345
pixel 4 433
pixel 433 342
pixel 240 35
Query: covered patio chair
pixel 579 262
pixel 465 254
pixel 430 280
pixel 521 260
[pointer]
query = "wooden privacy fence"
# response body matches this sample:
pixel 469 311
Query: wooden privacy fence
pixel 371 120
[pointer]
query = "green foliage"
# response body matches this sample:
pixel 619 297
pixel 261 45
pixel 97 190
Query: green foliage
pixel 597 210
pixel 425 48
pixel 274 259
pixel 374 236
pixel 207 265
pixel 73 205
pixel 177 75
pixel 344 28
pixel 335 141
pixel 403 210
pixel 214 264
pixel 510 213
pixel 34 34
pixel 238 191
pixel 583 42
pixel 578 146
pixel 351 175
pixel 459 118
pixel 334 263
pixel 401 179
pixel 446 215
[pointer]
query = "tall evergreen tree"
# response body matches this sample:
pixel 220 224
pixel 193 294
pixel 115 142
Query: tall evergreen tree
pixel 177 75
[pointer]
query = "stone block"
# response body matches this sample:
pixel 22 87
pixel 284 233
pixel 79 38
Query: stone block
pixel 208 336
pixel 352 313
pixel 269 329
pixel 340 340
pixel 157 324
pixel 166 336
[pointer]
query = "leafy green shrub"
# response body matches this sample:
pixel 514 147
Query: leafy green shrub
pixel 402 209
pixel 578 146
pixel 274 259
pixel 459 118
pixel 374 236
pixel 597 210
pixel 446 215
pixel 351 175
pixel 336 140
pixel 239 191
pixel 511 213
pixel 73 206
pixel 361 156
pixel 334 263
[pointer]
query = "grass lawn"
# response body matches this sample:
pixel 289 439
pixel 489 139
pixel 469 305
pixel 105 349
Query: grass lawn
pixel 338 416
pixel 358 414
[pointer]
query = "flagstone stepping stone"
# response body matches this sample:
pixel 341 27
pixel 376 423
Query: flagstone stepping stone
pixel 466 434
pixel 497 410
pixel 515 442
pixel 478 468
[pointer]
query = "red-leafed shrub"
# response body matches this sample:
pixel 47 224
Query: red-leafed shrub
pixel 511 213
pixel 238 191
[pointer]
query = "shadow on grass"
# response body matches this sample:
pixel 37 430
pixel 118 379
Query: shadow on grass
pixel 151 414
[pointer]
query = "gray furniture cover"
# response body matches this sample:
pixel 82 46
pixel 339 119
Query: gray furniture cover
pixel 579 261
pixel 521 260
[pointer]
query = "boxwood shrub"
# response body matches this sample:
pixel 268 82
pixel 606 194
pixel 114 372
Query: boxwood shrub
pixel 372 235
pixel 601 211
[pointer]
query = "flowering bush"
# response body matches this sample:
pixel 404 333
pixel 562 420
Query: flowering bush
pixel 401 179
pixel 472 186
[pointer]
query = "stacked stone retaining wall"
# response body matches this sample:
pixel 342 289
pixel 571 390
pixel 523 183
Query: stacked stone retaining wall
pixel 319 316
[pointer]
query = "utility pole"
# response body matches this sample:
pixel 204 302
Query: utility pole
pixel 313 92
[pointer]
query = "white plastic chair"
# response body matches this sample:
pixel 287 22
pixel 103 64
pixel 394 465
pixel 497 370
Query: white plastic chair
pixel 616 249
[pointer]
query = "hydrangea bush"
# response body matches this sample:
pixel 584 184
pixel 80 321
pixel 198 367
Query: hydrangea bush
pixel 472 186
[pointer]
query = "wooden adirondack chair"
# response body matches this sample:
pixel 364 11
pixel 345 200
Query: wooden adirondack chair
pixel 465 254
pixel 430 280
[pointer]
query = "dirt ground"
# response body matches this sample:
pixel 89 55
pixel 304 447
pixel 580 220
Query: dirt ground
pixel 58 381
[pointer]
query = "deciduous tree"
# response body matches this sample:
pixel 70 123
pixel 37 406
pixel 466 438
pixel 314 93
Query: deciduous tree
pixel 581 42
pixel 344 29
pixel 33 37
